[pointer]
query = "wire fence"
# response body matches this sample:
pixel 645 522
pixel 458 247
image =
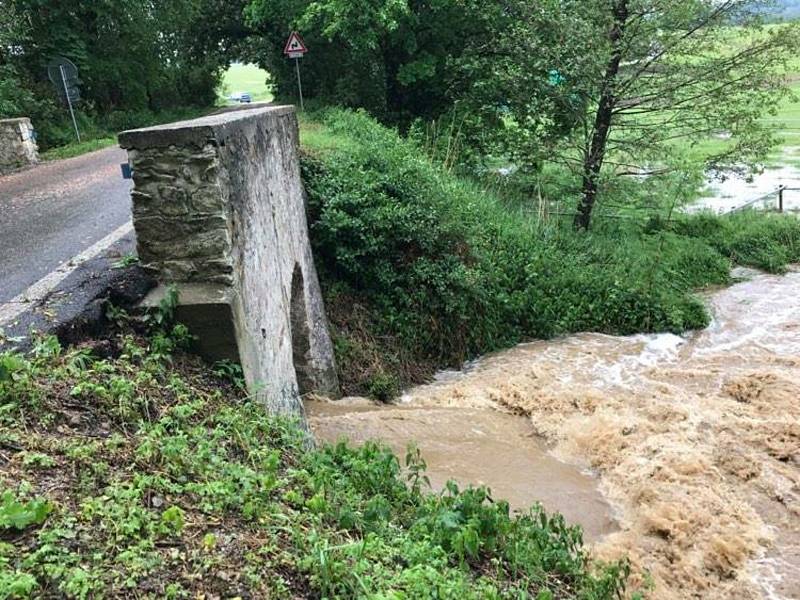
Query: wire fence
pixel 772 201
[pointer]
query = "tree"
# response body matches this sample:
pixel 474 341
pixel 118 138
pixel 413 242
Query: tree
pixel 14 95
pixel 399 59
pixel 134 58
pixel 678 72
pixel 523 87
pixel 625 87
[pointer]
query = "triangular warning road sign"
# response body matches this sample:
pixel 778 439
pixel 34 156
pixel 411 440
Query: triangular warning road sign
pixel 295 45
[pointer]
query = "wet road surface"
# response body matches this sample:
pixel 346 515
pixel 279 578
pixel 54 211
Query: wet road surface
pixel 52 212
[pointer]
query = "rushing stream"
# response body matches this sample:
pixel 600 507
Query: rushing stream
pixel 681 452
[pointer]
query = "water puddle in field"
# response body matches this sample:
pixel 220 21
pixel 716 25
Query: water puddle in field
pixel 694 441
pixel 733 191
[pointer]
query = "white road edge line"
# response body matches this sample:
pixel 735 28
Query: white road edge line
pixel 19 304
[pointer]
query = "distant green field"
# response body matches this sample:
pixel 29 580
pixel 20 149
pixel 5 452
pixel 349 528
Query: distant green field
pixel 738 37
pixel 786 123
pixel 246 78
pixel 787 120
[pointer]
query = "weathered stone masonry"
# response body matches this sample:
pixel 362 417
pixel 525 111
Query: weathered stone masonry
pixel 17 145
pixel 219 210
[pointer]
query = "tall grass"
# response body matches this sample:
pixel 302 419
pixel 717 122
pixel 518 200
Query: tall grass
pixel 766 241
pixel 56 138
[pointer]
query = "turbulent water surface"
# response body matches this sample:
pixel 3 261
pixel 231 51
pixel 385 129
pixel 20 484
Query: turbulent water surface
pixel 693 442
pixel 473 445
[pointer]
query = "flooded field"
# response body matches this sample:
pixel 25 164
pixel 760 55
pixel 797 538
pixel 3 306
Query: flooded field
pixel 693 442
pixel 733 191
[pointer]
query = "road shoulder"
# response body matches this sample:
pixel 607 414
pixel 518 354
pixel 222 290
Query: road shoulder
pixel 75 305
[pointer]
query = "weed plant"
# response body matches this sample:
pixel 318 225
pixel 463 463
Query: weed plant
pixel 769 242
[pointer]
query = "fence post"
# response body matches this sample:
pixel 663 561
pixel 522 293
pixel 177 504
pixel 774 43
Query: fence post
pixel 780 198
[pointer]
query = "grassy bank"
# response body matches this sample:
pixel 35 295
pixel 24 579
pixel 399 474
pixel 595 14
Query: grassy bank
pixel 78 148
pixel 129 469
pixel 422 270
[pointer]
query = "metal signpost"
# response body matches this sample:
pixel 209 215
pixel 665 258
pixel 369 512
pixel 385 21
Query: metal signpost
pixel 64 75
pixel 295 48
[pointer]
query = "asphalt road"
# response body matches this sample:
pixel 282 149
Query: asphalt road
pixel 56 210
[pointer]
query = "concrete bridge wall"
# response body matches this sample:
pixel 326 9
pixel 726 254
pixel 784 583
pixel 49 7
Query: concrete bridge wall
pixel 219 211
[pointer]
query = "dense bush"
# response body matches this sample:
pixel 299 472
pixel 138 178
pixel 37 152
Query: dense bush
pixel 133 58
pixel 13 95
pixel 764 241
pixel 422 269
pixel 399 60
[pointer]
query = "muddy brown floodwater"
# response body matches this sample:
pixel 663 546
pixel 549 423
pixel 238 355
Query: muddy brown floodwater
pixel 474 446
pixel 693 442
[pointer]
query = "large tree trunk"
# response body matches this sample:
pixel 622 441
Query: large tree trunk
pixel 595 153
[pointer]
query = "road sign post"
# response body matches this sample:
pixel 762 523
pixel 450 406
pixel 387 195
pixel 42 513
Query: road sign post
pixel 64 75
pixel 69 102
pixel 295 48
pixel 299 82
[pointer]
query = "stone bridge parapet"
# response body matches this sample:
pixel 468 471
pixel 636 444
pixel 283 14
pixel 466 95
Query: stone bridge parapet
pixel 219 212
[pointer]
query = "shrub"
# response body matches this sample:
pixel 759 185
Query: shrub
pixel 13 96
pixel 765 241
pixel 420 267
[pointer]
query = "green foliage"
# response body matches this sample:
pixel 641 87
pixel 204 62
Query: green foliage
pixel 660 79
pixel 14 97
pixel 135 61
pixel 202 492
pixel 164 312
pixel 119 48
pixel 126 261
pixel 230 371
pixel 69 150
pixel 422 268
pixel 37 459
pixel 383 386
pixel 17 514
pixel 400 60
pixel 14 584
pixel 765 241
pixel 598 87
pixel 172 518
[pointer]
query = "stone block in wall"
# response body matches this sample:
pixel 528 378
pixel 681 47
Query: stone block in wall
pixel 219 211
pixel 17 144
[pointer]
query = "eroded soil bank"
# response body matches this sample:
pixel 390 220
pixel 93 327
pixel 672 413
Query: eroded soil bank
pixel 695 440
